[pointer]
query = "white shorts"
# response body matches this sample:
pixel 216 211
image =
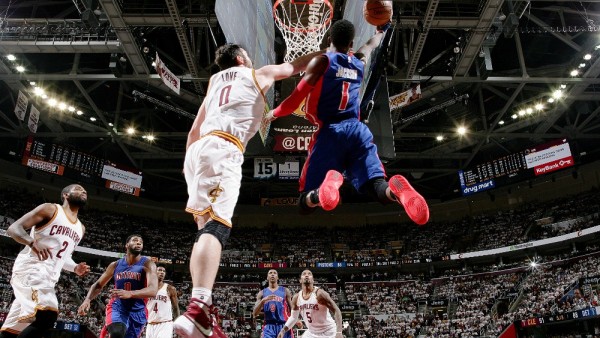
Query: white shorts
pixel 28 299
pixel 213 173
pixel 160 330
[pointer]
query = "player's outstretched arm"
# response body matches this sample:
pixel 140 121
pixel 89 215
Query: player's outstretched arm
pixel 324 298
pixel 174 300
pixel 149 291
pixel 265 76
pixel 96 288
pixel 364 52
pixel 41 215
pixel 315 70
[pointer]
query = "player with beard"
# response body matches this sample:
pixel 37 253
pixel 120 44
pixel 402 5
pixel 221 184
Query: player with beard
pixel 135 281
pixel 54 232
pixel 314 305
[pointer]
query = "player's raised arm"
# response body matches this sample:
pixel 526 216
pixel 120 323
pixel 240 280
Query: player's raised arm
pixel 96 288
pixel 364 52
pixel 315 70
pixel 324 298
pixel 270 73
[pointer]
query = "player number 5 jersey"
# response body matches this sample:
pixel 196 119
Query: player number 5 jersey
pixel 316 316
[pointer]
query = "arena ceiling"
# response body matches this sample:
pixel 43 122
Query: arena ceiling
pixel 506 55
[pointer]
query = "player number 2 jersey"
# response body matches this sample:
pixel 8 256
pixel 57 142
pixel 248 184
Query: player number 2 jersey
pixel 159 307
pixel 316 316
pixel 61 235
pixel 234 104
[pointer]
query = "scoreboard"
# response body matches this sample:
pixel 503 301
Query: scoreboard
pixel 539 160
pixel 579 314
pixel 70 162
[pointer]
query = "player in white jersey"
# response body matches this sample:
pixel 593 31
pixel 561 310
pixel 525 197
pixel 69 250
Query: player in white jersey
pixel 161 308
pixel 315 306
pixel 227 119
pixel 55 231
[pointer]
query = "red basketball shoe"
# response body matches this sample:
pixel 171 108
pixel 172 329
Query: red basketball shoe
pixel 414 204
pixel 198 321
pixel 329 193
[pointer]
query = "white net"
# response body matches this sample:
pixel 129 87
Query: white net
pixel 303 25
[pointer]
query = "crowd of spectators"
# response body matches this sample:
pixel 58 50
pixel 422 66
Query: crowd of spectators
pixel 307 247
pixel 393 301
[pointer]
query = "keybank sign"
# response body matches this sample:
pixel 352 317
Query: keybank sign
pixel 485 185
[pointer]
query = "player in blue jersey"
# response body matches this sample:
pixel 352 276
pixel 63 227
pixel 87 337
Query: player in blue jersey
pixel 274 301
pixel 135 281
pixel 343 144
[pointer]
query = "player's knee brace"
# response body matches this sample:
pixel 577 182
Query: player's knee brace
pixel 117 330
pixel 44 320
pixel 217 229
pixel 377 188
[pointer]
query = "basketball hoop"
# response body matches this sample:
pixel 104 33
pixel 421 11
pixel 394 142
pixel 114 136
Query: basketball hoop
pixel 303 24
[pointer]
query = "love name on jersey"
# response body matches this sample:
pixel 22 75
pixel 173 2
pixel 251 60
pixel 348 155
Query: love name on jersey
pixel 66 231
pixel 347 73
pixel 309 307
pixel 128 275
pixel 229 76
pixel 161 298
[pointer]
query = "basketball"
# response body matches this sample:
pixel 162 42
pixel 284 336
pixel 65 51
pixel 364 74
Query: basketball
pixel 377 12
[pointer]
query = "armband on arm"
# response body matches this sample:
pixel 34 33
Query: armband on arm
pixel 69 264
pixel 293 101
pixel 289 324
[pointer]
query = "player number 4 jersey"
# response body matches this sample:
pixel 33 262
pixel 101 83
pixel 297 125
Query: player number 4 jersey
pixel 159 307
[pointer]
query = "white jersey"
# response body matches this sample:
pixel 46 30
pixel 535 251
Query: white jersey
pixel 61 235
pixel 159 307
pixel 234 104
pixel 316 316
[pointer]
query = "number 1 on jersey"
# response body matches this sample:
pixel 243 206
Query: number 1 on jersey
pixel 345 95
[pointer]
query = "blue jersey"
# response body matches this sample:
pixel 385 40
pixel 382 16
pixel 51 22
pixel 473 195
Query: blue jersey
pixel 336 96
pixel 276 312
pixel 130 277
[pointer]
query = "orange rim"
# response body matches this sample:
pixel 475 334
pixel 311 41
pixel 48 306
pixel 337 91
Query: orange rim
pixel 302 30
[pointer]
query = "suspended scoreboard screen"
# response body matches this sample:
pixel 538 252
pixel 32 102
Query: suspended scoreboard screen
pixel 529 163
pixel 72 163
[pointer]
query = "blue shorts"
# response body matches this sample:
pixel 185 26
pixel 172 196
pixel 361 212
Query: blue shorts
pixel 271 331
pixel 346 147
pixel 135 321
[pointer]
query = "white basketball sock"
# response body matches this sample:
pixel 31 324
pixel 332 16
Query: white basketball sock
pixel 203 294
